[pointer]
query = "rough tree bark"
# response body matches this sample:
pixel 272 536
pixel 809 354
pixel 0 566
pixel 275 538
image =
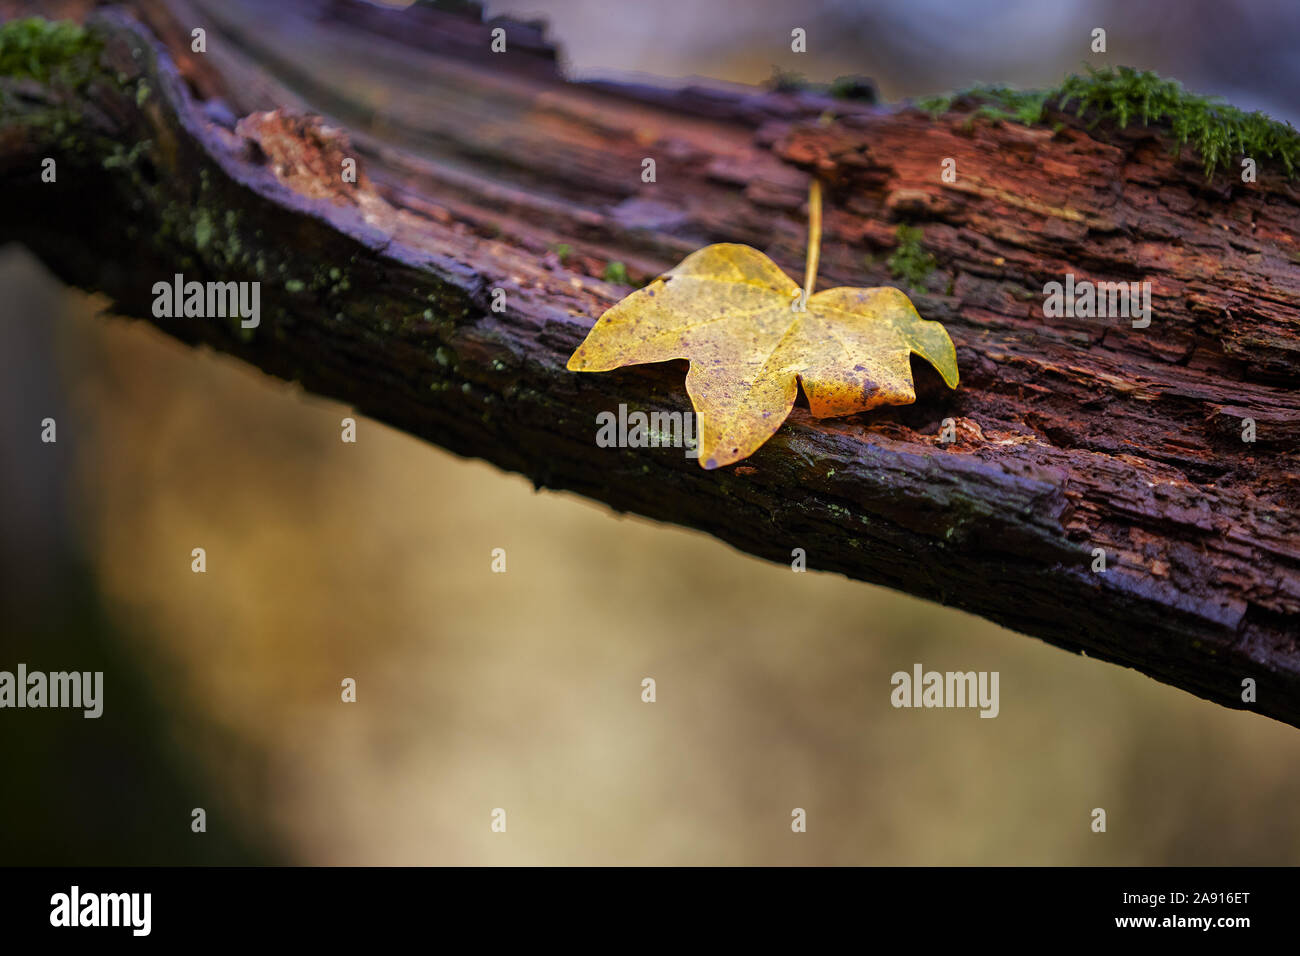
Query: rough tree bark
pixel 1072 434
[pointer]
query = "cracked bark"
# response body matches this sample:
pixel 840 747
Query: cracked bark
pixel 1073 434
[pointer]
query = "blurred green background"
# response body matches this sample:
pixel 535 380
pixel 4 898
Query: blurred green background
pixel 522 690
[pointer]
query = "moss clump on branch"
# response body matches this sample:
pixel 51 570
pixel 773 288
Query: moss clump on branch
pixel 910 262
pixel 786 81
pixel 1216 131
pixel 616 272
pixel 58 55
pixel 995 102
pixel 848 87
pixel 45 51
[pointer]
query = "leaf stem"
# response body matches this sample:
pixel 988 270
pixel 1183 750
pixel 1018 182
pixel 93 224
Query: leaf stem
pixel 814 236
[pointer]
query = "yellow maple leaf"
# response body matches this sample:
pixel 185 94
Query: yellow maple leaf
pixel 752 338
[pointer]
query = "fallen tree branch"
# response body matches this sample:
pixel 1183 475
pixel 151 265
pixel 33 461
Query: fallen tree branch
pixel 484 172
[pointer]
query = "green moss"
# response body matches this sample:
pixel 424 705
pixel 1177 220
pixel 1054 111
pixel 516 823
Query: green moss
pixel 202 230
pixel 55 54
pixel 786 81
pixel 45 51
pixel 563 251
pixel 57 125
pixel 995 102
pixel 910 262
pixel 1219 133
pixel 123 158
pixel 617 272
pixel 853 88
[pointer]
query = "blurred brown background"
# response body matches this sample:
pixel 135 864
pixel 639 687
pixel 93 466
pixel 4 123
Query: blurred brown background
pixel 479 690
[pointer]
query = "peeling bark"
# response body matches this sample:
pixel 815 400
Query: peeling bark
pixel 1072 434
